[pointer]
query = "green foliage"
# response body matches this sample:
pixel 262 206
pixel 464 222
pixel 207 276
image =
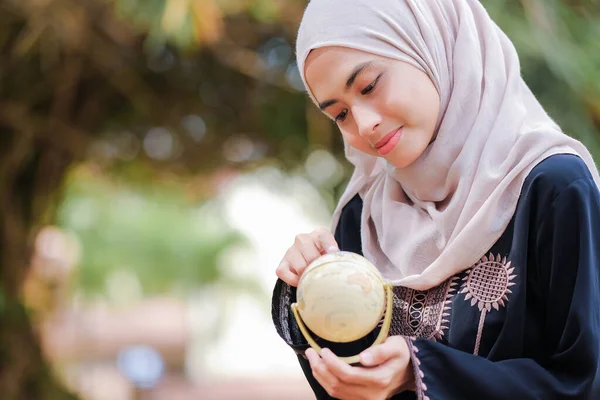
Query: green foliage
pixel 148 17
pixel 559 49
pixel 153 232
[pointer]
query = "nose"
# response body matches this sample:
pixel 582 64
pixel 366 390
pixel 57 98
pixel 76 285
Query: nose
pixel 367 120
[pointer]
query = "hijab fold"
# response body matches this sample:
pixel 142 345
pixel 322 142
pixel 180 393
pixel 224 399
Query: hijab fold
pixel 426 222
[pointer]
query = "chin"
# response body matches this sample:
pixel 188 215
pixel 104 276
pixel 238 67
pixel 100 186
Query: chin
pixel 403 162
pixel 399 165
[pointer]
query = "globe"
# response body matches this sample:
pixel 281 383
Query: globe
pixel 341 297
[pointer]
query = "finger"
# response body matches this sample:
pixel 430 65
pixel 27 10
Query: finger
pixel 325 240
pixel 346 373
pixel 394 346
pixel 295 260
pixel 308 248
pixel 285 273
pixel 320 372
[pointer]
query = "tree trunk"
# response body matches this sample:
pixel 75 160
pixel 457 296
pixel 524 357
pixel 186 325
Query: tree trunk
pixel 31 173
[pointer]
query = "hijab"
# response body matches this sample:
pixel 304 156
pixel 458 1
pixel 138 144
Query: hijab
pixel 423 223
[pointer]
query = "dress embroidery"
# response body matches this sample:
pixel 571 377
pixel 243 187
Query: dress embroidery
pixel 487 284
pixel 423 313
pixel 420 386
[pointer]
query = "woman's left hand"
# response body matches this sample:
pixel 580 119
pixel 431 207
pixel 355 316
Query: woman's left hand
pixel 386 370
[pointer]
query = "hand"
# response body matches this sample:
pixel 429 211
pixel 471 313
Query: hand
pixel 306 248
pixel 387 370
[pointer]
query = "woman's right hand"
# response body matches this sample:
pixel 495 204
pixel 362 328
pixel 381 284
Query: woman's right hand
pixel 306 248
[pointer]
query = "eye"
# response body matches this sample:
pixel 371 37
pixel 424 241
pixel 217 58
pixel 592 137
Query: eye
pixel 371 86
pixel 341 116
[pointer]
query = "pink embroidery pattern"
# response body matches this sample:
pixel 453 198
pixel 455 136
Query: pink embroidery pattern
pixel 487 284
pixel 423 313
pixel 421 388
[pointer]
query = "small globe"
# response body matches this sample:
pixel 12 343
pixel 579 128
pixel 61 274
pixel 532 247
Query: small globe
pixel 341 297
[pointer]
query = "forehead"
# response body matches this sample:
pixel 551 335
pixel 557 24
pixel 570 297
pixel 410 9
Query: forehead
pixel 326 69
pixel 336 53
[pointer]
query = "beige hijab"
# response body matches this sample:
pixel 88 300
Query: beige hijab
pixel 428 221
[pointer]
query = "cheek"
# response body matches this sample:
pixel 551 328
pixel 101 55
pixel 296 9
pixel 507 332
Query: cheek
pixel 426 102
pixel 358 142
pixel 397 106
pixel 415 102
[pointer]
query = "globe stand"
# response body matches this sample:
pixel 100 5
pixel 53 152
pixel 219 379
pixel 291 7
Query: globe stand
pixel 383 333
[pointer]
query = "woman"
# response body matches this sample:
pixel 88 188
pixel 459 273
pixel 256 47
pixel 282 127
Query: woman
pixel 465 195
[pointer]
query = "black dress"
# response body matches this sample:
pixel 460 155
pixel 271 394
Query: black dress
pixel 522 323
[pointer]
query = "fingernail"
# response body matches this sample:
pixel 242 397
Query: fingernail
pixel 332 249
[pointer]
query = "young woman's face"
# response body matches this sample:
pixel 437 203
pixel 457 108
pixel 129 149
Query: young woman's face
pixel 383 107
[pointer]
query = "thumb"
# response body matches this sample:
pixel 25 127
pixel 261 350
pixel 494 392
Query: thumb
pixel 394 346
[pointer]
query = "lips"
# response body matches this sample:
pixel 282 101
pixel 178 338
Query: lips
pixel 389 141
pixel 385 139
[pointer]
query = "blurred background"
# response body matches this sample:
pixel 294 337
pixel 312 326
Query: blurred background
pixel 157 158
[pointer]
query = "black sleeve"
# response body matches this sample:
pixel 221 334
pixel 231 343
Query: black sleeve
pixel 568 253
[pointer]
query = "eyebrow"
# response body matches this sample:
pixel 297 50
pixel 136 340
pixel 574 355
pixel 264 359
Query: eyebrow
pixel 357 70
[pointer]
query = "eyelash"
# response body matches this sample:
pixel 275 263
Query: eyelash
pixel 340 117
pixel 370 87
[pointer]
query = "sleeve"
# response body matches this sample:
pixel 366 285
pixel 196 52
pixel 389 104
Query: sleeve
pixel 567 246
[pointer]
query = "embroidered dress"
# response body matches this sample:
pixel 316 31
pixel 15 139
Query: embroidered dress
pixel 521 323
